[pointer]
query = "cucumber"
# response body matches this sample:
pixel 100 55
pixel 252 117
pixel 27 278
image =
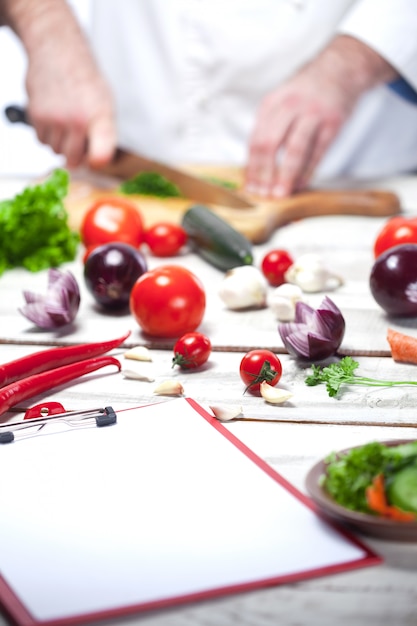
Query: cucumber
pixel 402 491
pixel 216 241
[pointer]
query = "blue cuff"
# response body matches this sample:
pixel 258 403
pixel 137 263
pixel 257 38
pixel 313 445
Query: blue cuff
pixel 404 90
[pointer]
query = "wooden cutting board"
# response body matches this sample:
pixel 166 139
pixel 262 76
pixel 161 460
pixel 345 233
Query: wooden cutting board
pixel 257 223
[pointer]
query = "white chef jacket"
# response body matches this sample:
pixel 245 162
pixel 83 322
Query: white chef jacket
pixel 189 75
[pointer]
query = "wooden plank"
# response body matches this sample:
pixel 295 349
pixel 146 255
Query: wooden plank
pixel 366 323
pixel 219 383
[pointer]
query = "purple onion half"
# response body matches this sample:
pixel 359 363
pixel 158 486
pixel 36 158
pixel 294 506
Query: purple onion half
pixel 58 306
pixel 315 334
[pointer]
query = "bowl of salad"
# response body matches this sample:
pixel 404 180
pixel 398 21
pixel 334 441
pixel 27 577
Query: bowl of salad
pixel 371 488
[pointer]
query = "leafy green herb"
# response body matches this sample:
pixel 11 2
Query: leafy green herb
pixel 349 474
pixel 343 373
pixel 34 230
pixel 150 184
pixel 227 184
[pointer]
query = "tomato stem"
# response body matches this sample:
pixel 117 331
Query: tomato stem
pixel 182 361
pixel 266 373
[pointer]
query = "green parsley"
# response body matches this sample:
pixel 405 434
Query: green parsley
pixel 221 182
pixel 349 474
pixel 150 184
pixel 34 230
pixel 344 373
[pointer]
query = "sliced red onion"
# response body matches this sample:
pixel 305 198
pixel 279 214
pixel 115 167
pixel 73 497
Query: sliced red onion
pixel 58 306
pixel 316 333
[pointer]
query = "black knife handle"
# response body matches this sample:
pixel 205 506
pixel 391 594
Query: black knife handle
pixel 16 114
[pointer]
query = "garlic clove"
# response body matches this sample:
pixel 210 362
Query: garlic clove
pixel 225 413
pixel 282 301
pixel 243 287
pixel 274 395
pixel 311 275
pixel 169 388
pixel 137 375
pixel 138 353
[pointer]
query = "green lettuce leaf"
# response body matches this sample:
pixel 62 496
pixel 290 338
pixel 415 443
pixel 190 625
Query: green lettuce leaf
pixel 34 230
pixel 349 474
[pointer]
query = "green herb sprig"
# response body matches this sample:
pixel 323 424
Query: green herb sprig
pixel 221 182
pixel 150 184
pixel 343 373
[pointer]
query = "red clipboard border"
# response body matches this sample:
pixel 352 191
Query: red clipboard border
pixel 19 615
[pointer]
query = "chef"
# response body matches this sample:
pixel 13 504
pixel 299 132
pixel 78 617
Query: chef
pixel 289 89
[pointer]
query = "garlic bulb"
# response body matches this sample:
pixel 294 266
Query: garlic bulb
pixel 243 287
pixel 282 301
pixel 310 274
pixel 274 395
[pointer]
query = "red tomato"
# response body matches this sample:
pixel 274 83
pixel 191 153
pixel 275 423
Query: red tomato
pixel 397 230
pixel 274 265
pixel 257 366
pixel 165 239
pixel 112 219
pixel 168 301
pixel 191 350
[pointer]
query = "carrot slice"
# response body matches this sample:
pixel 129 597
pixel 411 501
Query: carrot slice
pixel 377 501
pixel 403 347
pixel 399 515
pixel 375 495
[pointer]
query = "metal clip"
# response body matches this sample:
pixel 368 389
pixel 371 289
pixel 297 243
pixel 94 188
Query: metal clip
pixel 42 414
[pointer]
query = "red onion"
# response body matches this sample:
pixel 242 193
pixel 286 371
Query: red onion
pixel 110 272
pixel 58 306
pixel 316 333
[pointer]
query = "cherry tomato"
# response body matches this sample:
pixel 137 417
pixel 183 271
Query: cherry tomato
pixel 165 239
pixel 274 265
pixel 397 230
pixel 112 219
pixel 168 301
pixel 191 350
pixel 257 366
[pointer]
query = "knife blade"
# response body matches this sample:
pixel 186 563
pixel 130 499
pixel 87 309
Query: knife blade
pixel 126 164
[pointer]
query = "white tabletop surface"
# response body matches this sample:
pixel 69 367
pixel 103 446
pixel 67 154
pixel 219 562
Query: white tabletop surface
pixel 291 437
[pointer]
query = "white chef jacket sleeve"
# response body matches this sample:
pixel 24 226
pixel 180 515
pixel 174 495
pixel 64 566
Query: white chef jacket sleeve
pixel 390 28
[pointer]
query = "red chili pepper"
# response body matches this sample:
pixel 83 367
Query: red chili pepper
pixel 55 357
pixel 33 385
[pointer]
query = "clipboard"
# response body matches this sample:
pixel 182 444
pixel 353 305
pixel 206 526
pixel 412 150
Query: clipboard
pixel 163 507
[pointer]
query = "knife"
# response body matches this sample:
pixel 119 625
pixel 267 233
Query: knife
pixel 127 164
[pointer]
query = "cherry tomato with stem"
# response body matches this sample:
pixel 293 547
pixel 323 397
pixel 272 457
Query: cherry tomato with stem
pixel 274 265
pixel 165 239
pixel 191 351
pixel 258 366
pixel 396 231
pixel 168 301
pixel 112 219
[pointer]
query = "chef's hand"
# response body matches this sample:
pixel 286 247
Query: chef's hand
pixel 71 109
pixel 298 121
pixel 69 103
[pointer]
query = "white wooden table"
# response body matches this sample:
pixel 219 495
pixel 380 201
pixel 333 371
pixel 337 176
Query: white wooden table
pixel 291 437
